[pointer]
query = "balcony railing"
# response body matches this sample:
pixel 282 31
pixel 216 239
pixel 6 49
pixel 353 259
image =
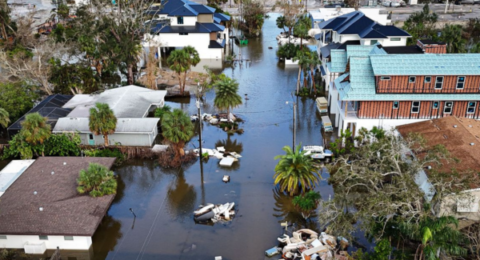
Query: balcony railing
pixel 347 110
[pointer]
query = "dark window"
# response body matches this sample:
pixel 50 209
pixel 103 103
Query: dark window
pixel 68 238
pixel 372 42
pixel 460 82
pixel 395 104
pixel 439 82
pixel 471 107
pixel 428 79
pixel 90 136
pixel 3 237
pixel 43 237
pixel 395 39
pixel 411 79
pixel 183 33
pixel 384 78
pixel 180 20
pixel 435 105
pixel 448 107
pixel 415 106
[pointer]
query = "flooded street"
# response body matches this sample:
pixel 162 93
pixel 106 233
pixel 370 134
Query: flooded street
pixel 163 200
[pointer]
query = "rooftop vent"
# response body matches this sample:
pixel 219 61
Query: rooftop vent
pixel 64 163
pixel 35 193
pixel 454 126
pixel 41 208
pixel 472 144
pixel 429 167
pixel 470 126
pixel 53 172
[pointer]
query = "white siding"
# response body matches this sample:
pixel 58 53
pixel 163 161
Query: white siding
pixel 388 42
pixel 199 41
pixel 19 241
pixel 348 37
pixel 138 139
pixel 187 20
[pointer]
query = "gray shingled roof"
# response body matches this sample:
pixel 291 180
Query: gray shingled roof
pixel 65 212
pixel 126 102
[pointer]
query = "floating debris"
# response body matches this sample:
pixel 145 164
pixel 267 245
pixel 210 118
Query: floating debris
pixel 214 213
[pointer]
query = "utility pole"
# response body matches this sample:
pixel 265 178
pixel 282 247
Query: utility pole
pixel 199 95
pixel 294 123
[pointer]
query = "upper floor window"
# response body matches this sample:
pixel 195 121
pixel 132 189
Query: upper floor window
pixel 395 39
pixel 428 79
pixel 43 237
pixel 372 42
pixel 448 107
pixel 68 238
pixel 439 82
pixel 411 79
pixel 395 104
pixel 3 237
pixel 460 82
pixel 183 33
pixel 180 20
pixel 384 78
pixel 415 106
pixel 435 105
pixel 471 107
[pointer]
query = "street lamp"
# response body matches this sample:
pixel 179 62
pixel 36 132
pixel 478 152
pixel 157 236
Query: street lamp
pixel 294 123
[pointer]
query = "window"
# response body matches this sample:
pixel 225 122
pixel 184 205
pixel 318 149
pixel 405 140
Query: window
pixel 384 78
pixel 180 20
pixel 372 42
pixel 439 82
pixel 435 105
pixel 395 104
pixel 448 107
pixel 428 79
pixel 3 237
pixel 395 39
pixel 68 238
pixel 411 79
pixel 460 82
pixel 415 106
pixel 43 237
pixel 471 107
pixel 90 136
pixel 183 33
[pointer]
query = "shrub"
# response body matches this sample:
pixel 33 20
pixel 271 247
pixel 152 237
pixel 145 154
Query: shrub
pixel 107 152
pixel 287 51
pixel 97 181
pixel 63 145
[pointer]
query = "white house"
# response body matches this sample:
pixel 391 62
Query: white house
pixel 181 22
pixel 130 104
pixel 40 206
pixel 378 15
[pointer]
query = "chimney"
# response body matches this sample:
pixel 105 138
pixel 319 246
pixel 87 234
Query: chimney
pixel 429 46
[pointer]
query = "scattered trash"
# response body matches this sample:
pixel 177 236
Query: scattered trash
pixel 227 158
pixel 307 244
pixel 226 178
pixel 214 213
pixel 227 161
pixel 218 258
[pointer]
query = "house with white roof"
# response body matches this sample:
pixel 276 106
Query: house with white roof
pixel 41 208
pixel 180 23
pixel 130 104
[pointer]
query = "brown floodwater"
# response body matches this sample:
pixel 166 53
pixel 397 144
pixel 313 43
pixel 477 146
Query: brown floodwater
pixel 163 200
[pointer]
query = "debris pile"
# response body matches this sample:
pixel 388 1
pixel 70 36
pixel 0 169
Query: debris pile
pixel 226 158
pixel 215 119
pixel 306 244
pixel 214 213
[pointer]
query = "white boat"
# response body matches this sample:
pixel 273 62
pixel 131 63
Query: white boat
pixel 219 210
pixel 203 210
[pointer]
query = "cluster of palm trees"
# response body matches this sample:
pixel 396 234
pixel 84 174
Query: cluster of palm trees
pixel 307 62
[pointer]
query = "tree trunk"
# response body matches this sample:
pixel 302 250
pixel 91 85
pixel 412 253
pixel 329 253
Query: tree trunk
pixel 184 81
pixel 130 74
pixel 298 79
pixel 301 43
pixel 180 83
pixel 313 81
pixel 105 138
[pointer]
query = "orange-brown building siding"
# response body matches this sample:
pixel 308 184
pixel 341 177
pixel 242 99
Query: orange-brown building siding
pixel 384 109
pixel 401 84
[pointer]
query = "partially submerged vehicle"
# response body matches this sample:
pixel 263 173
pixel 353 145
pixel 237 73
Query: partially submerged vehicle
pixel 317 152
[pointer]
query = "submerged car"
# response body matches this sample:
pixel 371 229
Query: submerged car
pixel 317 152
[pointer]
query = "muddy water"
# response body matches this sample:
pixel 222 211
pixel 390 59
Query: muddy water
pixel 163 200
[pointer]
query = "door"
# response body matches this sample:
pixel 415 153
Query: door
pixel 91 140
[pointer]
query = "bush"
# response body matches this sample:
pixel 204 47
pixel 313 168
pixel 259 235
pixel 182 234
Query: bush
pixel 18 148
pixel 97 181
pixel 17 99
pixel 63 145
pixel 287 51
pixel 107 152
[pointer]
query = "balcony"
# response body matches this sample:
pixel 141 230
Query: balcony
pixel 347 111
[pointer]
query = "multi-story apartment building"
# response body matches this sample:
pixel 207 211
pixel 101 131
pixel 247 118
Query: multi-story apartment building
pixel 390 86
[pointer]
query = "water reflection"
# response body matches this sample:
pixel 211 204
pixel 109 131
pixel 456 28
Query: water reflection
pixel 286 211
pixel 181 196
pixel 103 243
pixel 230 145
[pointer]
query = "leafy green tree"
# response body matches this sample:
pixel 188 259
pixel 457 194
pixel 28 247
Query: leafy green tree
pixel 307 202
pixel 177 129
pixel 102 121
pixel 226 95
pixel 421 25
pixel 295 171
pixel 287 51
pixel 97 181
pixel 18 148
pixel 254 16
pixel 343 144
pixel 4 118
pixel 63 145
pixel 36 130
pixel 63 11
pixel 17 99
pixel 73 79
pixel 7 26
pixel 452 36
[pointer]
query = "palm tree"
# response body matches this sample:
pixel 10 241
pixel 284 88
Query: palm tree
pixel 97 181
pixel 177 129
pixel 102 121
pixel 193 60
pixel 4 118
pixel 302 57
pixel 295 170
pixel 314 61
pixel 181 61
pixel 452 35
pixel 226 94
pixel 35 130
pixel 304 24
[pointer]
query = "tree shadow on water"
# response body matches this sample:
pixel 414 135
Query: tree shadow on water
pixel 106 237
pixel 181 196
pixel 286 211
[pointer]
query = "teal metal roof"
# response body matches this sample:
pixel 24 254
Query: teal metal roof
pixel 339 60
pixel 378 51
pixel 358 50
pixel 427 64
